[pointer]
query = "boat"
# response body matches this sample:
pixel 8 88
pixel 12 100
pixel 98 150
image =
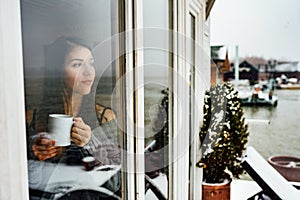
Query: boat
pixel 283 82
pixel 263 94
pixel 289 86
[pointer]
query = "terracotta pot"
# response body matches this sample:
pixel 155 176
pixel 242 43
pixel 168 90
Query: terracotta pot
pixel 216 191
pixel 287 166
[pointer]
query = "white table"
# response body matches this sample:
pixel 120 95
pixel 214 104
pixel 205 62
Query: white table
pixel 243 189
pixel 58 178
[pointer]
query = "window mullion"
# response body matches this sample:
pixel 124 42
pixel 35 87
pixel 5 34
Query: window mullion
pixel 129 192
pixel 139 99
pixel 134 100
pixel 180 176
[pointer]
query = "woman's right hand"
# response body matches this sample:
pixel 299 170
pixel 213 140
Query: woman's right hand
pixel 44 148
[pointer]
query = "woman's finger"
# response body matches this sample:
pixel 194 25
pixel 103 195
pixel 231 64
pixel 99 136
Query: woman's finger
pixel 78 122
pixel 50 153
pixel 81 133
pixel 79 140
pixel 81 125
pixel 45 157
pixel 44 141
pixel 44 148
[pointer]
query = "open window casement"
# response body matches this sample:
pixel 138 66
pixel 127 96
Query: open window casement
pixel 121 25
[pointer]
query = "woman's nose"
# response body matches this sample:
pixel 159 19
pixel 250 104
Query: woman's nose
pixel 87 70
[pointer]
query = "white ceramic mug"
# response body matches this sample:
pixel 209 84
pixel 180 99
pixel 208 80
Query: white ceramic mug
pixel 59 127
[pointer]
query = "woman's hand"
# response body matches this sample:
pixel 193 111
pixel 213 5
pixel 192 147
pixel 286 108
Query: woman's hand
pixel 81 133
pixel 44 148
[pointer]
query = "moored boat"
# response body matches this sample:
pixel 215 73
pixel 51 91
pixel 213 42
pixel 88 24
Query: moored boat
pixel 260 95
pixel 289 86
pixel 284 82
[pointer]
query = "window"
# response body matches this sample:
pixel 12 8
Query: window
pixel 71 66
pixel 114 38
pixel 157 78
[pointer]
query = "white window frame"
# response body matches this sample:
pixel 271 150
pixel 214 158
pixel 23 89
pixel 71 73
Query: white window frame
pixel 179 154
pixel 135 184
pixel 180 168
pixel 13 173
pixel 13 165
pixel 196 9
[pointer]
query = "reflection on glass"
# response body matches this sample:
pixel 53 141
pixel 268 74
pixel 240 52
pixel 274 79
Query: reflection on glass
pixel 191 50
pixel 156 99
pixel 62 70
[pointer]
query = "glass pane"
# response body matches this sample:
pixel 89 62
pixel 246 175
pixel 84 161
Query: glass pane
pixel 191 65
pixel 70 65
pixel 156 69
pixel 191 45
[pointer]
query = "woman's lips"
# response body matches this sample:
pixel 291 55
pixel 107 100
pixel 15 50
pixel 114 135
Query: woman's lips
pixel 87 82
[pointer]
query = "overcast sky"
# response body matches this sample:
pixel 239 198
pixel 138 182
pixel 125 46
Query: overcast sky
pixel 266 28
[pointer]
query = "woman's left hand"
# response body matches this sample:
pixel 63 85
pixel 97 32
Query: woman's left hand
pixel 81 133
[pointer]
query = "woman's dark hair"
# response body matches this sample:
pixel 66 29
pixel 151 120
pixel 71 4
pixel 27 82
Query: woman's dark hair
pixel 56 52
pixel 53 93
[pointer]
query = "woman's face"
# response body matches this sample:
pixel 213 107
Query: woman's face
pixel 79 71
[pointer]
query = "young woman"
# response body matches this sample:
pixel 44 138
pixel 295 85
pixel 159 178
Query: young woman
pixel 69 89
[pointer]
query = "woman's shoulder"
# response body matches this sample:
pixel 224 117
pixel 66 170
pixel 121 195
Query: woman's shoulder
pixel 104 113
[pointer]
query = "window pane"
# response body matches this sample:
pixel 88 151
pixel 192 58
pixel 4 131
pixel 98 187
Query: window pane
pixel 156 68
pixel 70 69
pixel 192 107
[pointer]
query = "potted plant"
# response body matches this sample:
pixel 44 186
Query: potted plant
pixel 223 136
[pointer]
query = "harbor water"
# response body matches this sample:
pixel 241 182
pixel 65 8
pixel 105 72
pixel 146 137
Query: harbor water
pixel 276 130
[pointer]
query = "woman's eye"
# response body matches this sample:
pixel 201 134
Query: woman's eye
pixel 76 65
